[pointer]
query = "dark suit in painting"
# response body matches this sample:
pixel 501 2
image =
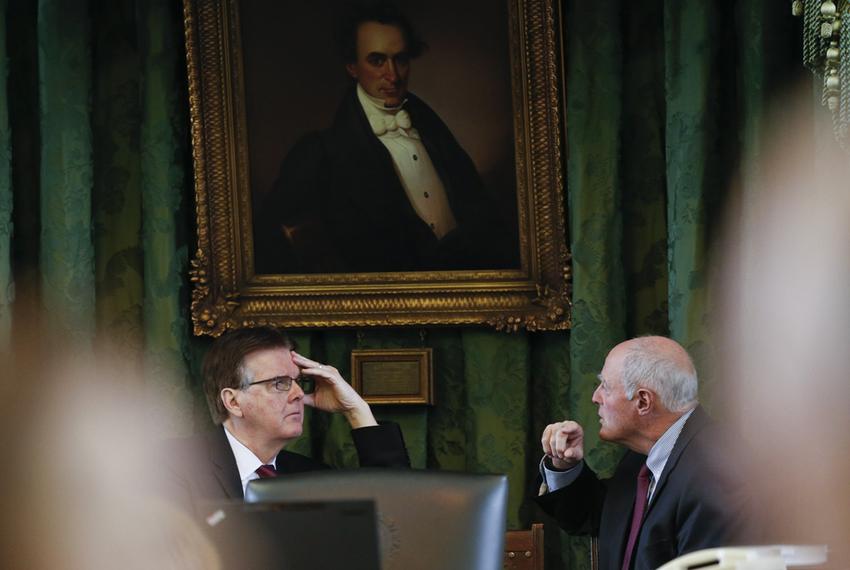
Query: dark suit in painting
pixel 699 502
pixel 339 206
pixel 201 468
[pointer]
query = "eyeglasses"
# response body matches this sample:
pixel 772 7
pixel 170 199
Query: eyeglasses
pixel 284 383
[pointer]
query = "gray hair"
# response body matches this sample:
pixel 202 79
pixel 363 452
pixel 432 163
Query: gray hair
pixel 243 373
pixel 674 380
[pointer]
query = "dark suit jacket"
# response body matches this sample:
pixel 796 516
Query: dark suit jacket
pixel 201 468
pixel 700 501
pixel 339 206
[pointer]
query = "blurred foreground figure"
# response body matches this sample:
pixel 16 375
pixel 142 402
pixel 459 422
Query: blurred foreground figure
pixel 786 335
pixel 77 487
pixel 678 489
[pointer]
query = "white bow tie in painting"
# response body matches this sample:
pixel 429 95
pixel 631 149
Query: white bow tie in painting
pixel 386 122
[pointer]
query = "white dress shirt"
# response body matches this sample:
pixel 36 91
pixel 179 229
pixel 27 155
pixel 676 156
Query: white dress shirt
pixel 246 461
pixel 412 164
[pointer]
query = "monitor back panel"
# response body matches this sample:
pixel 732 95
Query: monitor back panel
pixel 426 519
pixel 302 535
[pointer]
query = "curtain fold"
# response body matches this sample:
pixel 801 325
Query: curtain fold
pixel 690 126
pixel 643 188
pixel 496 370
pixel 664 110
pixel 67 249
pixel 164 159
pixel 117 198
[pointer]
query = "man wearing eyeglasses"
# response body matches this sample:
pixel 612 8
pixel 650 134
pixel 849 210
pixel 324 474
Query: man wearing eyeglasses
pixel 256 387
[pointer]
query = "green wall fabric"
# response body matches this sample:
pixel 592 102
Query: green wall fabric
pixel 643 190
pixel 117 198
pixel 496 375
pixel 662 100
pixel 163 180
pixel 691 130
pixel 67 250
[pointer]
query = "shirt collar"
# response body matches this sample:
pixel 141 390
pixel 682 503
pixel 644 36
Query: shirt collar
pixel 373 104
pixel 246 461
pixel 660 452
pixel 386 123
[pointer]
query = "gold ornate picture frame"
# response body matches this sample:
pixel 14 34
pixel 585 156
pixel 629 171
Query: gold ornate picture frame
pixel 229 293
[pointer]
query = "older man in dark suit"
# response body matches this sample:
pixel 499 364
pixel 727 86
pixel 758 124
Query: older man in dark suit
pixel 387 187
pixel 679 486
pixel 255 386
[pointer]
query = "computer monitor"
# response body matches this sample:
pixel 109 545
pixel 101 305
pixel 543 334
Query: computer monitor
pixel 299 535
pixel 426 519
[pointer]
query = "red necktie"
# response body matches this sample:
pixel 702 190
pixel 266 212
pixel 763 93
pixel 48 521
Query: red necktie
pixel 266 471
pixel 641 499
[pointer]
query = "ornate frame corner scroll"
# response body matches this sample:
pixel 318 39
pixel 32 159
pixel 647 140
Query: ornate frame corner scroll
pixel 228 294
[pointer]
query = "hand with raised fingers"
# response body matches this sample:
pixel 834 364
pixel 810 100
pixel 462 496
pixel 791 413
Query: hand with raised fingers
pixel 563 443
pixel 333 393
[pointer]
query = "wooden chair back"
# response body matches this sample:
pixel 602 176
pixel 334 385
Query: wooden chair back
pixel 524 548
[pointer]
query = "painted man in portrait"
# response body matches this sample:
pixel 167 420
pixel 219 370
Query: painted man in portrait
pixel 387 187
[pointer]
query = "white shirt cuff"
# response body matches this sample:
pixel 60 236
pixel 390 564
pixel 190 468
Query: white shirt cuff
pixel 559 479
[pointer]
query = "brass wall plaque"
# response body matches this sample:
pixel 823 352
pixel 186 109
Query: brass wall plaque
pixel 393 376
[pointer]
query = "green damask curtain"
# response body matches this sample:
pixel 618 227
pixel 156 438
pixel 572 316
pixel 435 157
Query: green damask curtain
pixel 97 191
pixel 664 105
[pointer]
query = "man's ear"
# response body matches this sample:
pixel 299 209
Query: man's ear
pixel 351 69
pixel 645 400
pixel 230 399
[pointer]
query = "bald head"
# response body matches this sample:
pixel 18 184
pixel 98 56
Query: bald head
pixel 662 348
pixel 661 365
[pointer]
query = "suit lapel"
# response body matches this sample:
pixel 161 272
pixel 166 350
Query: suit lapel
pixel 440 144
pixel 692 426
pixel 368 159
pixel 223 464
pixel 425 128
